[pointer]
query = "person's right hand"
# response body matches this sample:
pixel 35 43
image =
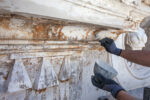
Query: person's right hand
pixel 106 84
pixel 110 46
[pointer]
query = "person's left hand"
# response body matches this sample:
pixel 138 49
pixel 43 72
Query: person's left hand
pixel 106 84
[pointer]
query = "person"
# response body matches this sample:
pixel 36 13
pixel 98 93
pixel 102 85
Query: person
pixel 136 56
pixel 111 86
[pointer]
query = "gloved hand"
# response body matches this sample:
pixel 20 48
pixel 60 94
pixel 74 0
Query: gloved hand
pixel 110 46
pixel 106 84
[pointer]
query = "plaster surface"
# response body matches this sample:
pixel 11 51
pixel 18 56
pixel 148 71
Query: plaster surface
pixel 48 48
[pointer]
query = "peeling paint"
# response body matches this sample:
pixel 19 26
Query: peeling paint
pixel 15 28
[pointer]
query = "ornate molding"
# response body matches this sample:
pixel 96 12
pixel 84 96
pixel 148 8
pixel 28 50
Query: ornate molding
pixel 65 70
pixel 90 11
pixel 46 76
pixel 18 78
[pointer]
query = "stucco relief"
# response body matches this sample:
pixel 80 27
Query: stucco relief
pixel 57 56
pixel 136 40
pixel 137 73
pixel 18 78
pixel 46 76
pixel 55 68
pixel 65 70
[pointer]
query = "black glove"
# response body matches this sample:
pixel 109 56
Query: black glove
pixel 106 84
pixel 110 46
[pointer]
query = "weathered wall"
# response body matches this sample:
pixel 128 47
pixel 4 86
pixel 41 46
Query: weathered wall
pixel 48 52
pixel 42 60
pixel 111 13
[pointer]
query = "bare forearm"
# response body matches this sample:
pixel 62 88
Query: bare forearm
pixel 139 57
pixel 122 95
